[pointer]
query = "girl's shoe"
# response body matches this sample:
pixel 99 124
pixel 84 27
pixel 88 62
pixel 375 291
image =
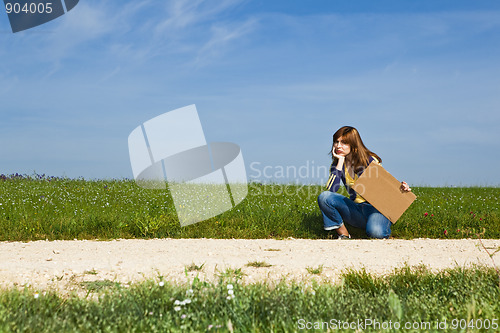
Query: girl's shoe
pixel 344 237
pixel 331 228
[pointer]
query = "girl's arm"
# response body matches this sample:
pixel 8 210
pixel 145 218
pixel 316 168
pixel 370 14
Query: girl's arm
pixel 334 181
pixel 340 160
pixel 336 172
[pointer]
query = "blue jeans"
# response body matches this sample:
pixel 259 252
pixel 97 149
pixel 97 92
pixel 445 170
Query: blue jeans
pixel 337 209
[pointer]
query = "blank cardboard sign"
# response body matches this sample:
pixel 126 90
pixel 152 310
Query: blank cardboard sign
pixel 384 192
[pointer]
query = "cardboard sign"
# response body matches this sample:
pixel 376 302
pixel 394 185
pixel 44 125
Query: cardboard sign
pixel 383 191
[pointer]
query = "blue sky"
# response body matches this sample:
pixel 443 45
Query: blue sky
pixel 420 81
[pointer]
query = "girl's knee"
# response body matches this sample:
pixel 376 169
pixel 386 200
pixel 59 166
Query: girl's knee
pixel 330 196
pixel 377 232
pixel 379 227
pixel 323 196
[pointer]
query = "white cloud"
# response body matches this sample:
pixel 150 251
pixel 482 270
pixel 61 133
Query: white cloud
pixel 111 74
pixel 76 33
pixel 222 35
pixel 135 33
pixel 184 13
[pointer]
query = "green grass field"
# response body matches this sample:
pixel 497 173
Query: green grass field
pixel 34 208
pixel 409 300
pixel 461 299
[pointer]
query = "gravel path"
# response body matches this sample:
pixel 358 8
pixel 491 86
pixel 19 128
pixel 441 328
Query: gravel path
pixel 63 265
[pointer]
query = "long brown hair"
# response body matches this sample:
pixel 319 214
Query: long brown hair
pixel 360 155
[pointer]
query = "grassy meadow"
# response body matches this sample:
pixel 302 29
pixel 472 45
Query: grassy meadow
pixel 409 300
pixel 40 207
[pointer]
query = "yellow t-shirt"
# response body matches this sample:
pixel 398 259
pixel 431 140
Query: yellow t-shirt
pixel 350 182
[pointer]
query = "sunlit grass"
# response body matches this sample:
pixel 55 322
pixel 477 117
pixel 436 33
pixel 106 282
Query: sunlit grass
pixel 34 208
pixel 408 295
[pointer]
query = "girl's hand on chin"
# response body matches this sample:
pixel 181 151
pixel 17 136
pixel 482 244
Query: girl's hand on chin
pixel 338 156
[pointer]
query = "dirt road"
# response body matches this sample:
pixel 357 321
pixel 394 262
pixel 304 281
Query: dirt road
pixel 63 265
